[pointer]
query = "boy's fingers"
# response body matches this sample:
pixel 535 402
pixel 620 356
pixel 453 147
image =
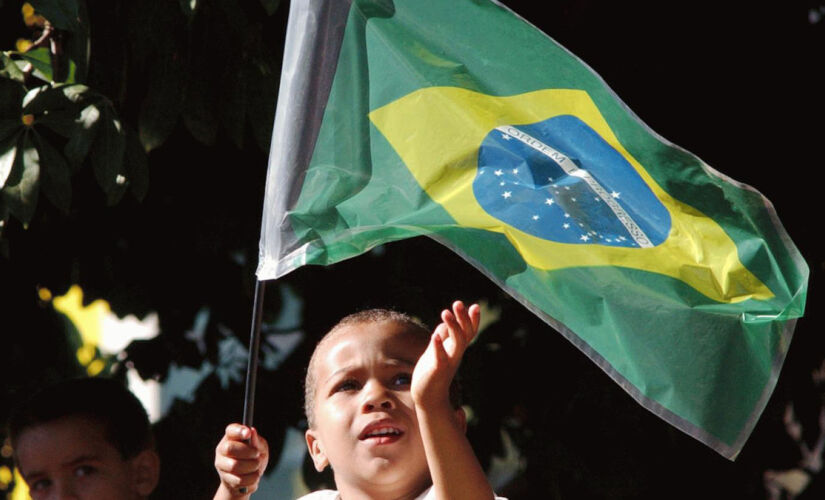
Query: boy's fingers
pixel 438 350
pixel 455 330
pixel 461 315
pixel 258 442
pixel 475 317
pixel 248 481
pixel 238 450
pixel 238 432
pixel 236 467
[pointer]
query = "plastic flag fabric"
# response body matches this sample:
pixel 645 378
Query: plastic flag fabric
pixel 461 121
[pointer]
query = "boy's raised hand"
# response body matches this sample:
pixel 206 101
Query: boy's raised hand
pixel 436 368
pixel 240 459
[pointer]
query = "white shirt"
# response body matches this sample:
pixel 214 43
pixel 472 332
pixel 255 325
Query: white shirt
pixel 429 494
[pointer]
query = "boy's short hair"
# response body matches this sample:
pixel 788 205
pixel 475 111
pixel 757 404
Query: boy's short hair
pixel 124 420
pixel 415 327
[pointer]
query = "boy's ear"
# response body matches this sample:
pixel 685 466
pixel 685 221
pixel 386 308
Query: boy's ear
pixel 461 418
pixel 145 472
pixel 316 451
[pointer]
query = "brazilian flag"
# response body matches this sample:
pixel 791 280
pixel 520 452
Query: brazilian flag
pixel 458 120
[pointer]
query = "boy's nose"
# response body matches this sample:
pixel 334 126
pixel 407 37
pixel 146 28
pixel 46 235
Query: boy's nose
pixel 66 491
pixel 376 397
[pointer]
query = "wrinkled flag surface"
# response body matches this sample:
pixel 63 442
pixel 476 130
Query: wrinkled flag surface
pixel 461 121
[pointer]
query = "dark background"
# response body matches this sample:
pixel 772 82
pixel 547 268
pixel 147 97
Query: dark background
pixel 737 84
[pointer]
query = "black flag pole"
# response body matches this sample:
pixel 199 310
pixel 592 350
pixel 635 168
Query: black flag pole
pixel 252 364
pixel 254 348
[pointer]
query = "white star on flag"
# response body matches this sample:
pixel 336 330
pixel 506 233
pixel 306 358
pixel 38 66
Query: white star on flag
pixel 499 172
pixel 584 237
pixel 615 194
pixel 548 201
pixel 507 194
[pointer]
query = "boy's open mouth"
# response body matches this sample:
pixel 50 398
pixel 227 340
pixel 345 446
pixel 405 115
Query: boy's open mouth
pixel 381 432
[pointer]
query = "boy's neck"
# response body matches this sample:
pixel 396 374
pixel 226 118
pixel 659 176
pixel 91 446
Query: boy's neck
pixel 380 492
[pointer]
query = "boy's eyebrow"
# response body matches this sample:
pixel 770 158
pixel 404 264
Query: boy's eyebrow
pixel 389 362
pixel 82 458
pixel 88 457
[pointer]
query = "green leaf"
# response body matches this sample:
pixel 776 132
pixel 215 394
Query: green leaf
pixel 271 6
pixel 188 7
pixel 21 199
pixel 41 62
pixel 107 157
pixel 47 99
pixel 55 175
pixel 11 94
pixel 54 107
pixel 63 14
pixel 232 105
pixel 83 136
pixel 9 127
pixel 77 46
pixel 263 93
pixel 8 155
pixel 198 114
pixel 9 69
pixel 164 102
pixel 137 165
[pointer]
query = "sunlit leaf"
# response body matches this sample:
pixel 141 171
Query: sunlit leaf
pixel 63 14
pixel 55 176
pixel 9 69
pixel 271 6
pixel 41 62
pixel 21 198
pixel 8 154
pixel 136 165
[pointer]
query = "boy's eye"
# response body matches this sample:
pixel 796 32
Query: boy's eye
pixel 402 379
pixel 84 470
pixel 40 484
pixel 347 385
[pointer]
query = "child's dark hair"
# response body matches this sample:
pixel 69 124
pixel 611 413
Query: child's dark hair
pixel 414 326
pixel 124 420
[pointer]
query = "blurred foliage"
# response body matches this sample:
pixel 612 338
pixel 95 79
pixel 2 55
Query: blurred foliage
pixel 97 98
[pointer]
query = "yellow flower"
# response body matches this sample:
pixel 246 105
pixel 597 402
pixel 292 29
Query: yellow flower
pixel 22 45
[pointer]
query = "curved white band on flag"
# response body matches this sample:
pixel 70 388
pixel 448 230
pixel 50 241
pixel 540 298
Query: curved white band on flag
pixel 571 168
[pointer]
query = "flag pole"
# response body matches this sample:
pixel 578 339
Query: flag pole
pixel 252 364
pixel 254 348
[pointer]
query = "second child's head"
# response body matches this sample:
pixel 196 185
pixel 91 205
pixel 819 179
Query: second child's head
pixel 361 416
pixel 85 439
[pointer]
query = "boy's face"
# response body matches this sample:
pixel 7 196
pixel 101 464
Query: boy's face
pixel 365 424
pixel 70 458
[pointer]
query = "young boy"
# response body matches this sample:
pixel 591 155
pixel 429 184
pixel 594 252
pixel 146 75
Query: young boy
pixel 84 439
pixel 380 413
